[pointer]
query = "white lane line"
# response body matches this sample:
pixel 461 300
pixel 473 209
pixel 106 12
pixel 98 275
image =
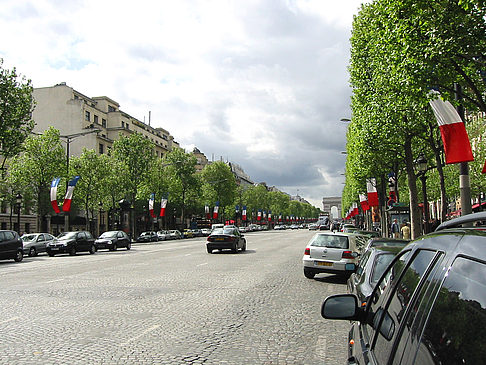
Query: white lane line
pixel 10 320
pixel 205 263
pixel 141 334
pixel 187 254
pixel 53 281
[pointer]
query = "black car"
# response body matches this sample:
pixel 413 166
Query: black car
pixel 72 242
pixel 226 238
pixel 429 306
pixel 112 240
pixel 371 265
pixel 148 237
pixel 11 246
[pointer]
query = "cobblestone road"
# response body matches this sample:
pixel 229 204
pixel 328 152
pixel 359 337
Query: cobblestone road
pixel 171 303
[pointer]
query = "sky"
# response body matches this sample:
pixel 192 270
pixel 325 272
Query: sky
pixel 260 83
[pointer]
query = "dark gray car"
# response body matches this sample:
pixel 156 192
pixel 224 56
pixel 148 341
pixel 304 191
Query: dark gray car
pixel 72 242
pixel 11 246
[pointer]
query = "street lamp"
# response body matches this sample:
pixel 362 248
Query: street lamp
pixel 421 163
pixel 18 201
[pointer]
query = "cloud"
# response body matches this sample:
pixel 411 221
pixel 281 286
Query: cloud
pixel 261 83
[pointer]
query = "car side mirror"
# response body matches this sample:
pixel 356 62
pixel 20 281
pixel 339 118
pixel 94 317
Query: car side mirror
pixel 341 306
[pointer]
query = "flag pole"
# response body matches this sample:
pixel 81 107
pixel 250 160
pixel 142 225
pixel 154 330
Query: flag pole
pixel 464 182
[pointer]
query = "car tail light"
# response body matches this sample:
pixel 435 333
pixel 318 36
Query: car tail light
pixel 348 255
pixel 210 239
pixel 307 251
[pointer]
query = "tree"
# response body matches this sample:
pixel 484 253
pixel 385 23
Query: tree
pixel 43 159
pixel 181 167
pixel 16 106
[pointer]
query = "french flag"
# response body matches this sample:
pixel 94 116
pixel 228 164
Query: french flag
pixel 151 205
pixel 355 209
pixel 372 193
pixel 66 205
pixel 364 202
pixel 259 215
pixel 54 185
pixel 457 147
pixel 206 210
pixel 269 215
pixel 243 213
pixel 163 205
pixel 216 210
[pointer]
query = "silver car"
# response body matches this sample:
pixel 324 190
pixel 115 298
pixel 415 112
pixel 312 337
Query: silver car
pixel 334 253
pixel 34 243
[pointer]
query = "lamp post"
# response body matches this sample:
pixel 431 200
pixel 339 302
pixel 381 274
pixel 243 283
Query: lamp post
pixel 421 163
pixel 18 201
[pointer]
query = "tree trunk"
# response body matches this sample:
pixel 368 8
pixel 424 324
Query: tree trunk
pixel 415 216
pixel 440 171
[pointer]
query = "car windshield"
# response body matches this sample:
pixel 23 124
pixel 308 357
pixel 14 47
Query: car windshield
pixel 29 237
pixel 330 241
pixel 217 231
pixel 109 234
pixel 67 235
pixel 381 263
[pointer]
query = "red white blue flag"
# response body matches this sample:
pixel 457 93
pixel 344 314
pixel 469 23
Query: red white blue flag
pixel 163 205
pixel 372 193
pixel 259 215
pixel 206 210
pixel 364 202
pixel 66 205
pixel 151 205
pixel 54 185
pixel 457 147
pixel 216 210
pixel 269 215
pixel 243 213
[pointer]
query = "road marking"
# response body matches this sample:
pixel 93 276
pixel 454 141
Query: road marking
pixel 205 263
pixel 10 320
pixel 53 281
pixel 321 347
pixel 187 254
pixel 141 334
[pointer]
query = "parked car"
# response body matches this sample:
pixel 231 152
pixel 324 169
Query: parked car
pixel 226 238
pixel 112 240
pixel 34 243
pixel 72 242
pixel 174 234
pixel 11 246
pixel 188 233
pixel 346 226
pixel 242 229
pixel 369 234
pixel 429 306
pixel 313 227
pixel 387 242
pixel 148 236
pixel 206 231
pixel 334 253
pixel 197 232
pixel 163 235
pixel 372 264
pixel 279 227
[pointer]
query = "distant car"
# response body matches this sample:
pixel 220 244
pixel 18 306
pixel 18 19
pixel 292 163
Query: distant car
pixel 197 232
pixel 35 243
pixel 279 227
pixel 348 228
pixel 225 238
pixel 148 236
pixel 242 229
pixel 206 231
pixel 188 233
pixel 313 227
pixel 174 234
pixel 163 235
pixel 72 242
pixel 383 241
pixel 371 266
pixel 334 253
pixel 11 246
pixel 112 240
pixel 294 226
pixel 369 234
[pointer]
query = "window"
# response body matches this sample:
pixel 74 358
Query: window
pixel 103 122
pixel 27 227
pixel 101 148
pixel 95 119
pixel 457 324
pixel 123 124
pixel 4 225
pixel 127 125
pixel 111 109
pixel 388 318
pixel 87 116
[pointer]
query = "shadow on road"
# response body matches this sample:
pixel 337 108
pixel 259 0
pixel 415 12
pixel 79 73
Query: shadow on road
pixel 333 279
pixel 229 252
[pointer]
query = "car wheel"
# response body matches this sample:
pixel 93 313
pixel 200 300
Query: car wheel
pixel 92 249
pixel 309 274
pixel 209 250
pixel 51 254
pixel 244 246
pixel 32 252
pixel 20 256
pixel 235 249
pixel 129 245
pixel 72 250
pixel 114 247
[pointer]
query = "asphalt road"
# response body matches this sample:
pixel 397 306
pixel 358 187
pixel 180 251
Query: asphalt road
pixel 171 303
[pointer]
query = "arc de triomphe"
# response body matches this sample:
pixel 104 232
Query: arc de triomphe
pixel 329 202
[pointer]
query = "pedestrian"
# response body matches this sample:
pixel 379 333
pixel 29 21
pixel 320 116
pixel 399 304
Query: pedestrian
pixel 395 229
pixel 406 231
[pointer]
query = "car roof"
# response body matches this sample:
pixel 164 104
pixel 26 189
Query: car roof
pixel 458 222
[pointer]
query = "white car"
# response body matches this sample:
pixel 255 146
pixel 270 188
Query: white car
pixel 334 253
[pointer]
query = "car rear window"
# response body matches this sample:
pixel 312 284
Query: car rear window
pixel 330 241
